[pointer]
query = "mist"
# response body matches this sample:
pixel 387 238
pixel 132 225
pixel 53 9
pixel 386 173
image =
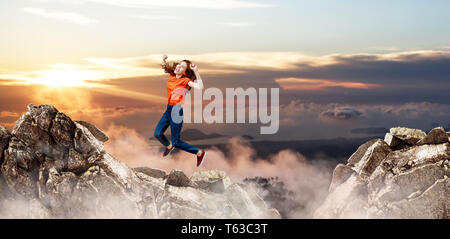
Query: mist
pixel 305 181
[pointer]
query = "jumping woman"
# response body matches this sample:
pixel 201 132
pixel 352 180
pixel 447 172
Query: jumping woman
pixel 182 77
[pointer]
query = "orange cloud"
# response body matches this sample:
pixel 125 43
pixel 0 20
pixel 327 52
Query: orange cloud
pixel 99 69
pixel 151 98
pixel 293 83
pixel 4 114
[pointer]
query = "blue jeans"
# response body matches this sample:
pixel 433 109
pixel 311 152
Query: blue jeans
pixel 175 130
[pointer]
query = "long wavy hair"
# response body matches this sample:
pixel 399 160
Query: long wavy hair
pixel 170 68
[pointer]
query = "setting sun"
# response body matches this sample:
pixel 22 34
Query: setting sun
pixel 64 76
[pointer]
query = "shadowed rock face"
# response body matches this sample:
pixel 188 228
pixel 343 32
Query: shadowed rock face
pixel 407 176
pixel 54 167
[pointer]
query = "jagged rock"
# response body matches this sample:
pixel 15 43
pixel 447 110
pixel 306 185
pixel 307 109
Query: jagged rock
pixel 432 203
pixel 401 185
pixel 36 140
pixel 152 172
pixel 255 197
pixel 63 130
pixel 117 170
pixel 98 134
pixel 241 201
pixel 178 178
pixel 340 174
pixel 215 180
pixel 188 202
pixel 348 200
pixel 407 183
pixel 85 142
pixel 5 136
pixel 372 158
pixel 99 195
pixel 394 142
pixel 410 136
pixel 18 168
pixel 276 194
pixel 53 167
pixel 29 132
pixel 60 183
pixel 56 192
pixel 76 163
pixel 435 136
pixel 42 115
pixel 398 160
pixel 270 214
pixel 357 156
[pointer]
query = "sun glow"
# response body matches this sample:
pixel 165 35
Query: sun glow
pixel 64 75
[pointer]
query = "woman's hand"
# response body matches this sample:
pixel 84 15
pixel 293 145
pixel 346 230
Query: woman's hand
pixel 164 57
pixel 198 83
pixel 194 67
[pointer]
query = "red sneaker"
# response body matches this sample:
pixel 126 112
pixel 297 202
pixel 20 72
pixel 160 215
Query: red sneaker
pixel 201 158
pixel 167 151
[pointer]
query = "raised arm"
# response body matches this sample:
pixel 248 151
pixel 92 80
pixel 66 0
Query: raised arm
pixel 164 58
pixel 166 66
pixel 198 83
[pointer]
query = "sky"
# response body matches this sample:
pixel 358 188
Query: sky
pixel 340 65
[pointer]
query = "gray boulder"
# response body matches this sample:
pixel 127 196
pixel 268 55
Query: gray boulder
pixel 189 202
pixel 394 142
pixel 98 134
pixel 357 156
pixel 340 174
pixel 348 200
pixel 214 180
pixel 63 130
pixel 76 162
pixel 372 158
pixel 410 182
pixel 42 115
pixel 178 178
pixel 152 172
pixel 435 136
pixel 242 202
pixel 408 135
pixel 85 142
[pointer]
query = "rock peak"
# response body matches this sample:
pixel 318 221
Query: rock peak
pixel 59 168
pixel 406 175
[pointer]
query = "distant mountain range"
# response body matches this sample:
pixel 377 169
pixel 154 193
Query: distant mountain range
pixel 369 131
pixel 195 134
pixel 338 149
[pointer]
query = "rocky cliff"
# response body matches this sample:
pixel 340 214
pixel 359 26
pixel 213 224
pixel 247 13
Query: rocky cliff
pixel 406 175
pixel 54 167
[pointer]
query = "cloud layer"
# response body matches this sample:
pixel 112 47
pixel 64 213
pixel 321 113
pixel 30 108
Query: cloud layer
pixel 208 4
pixel 66 16
pixel 320 96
